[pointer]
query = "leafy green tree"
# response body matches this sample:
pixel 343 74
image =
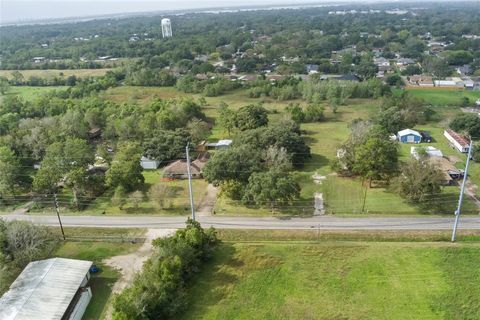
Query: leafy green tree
pixel 419 181
pixel 125 169
pixel 271 188
pixel 119 196
pixel 9 171
pixel 468 123
pixel 226 118
pixel 296 112
pixel 314 112
pixel 377 158
pixel 67 161
pixel 198 130
pixel 166 144
pixel 4 85
pixel 251 117
pixel 233 164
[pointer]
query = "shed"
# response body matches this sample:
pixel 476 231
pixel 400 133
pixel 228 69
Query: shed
pixel 409 136
pixel 429 152
pixel 456 140
pixel 51 289
pixel 149 164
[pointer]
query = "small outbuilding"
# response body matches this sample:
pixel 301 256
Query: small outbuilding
pixel 52 289
pixel 409 136
pixel 149 164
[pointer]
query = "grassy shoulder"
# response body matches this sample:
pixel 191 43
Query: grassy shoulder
pixel 338 280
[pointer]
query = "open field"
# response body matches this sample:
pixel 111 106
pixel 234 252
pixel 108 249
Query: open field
pixel 338 280
pixel 52 73
pixel 29 93
pixel 443 96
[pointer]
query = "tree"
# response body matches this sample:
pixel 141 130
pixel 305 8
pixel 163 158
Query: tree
pixel 198 130
pixel 314 112
pixel 67 161
pixel 296 112
pixel 251 117
pixel 226 118
pixel 377 158
pixel 272 188
pixel 394 80
pixel 9 171
pixel 419 181
pixel 4 85
pixel 468 123
pixel 166 144
pixel 366 69
pixel 233 164
pixel 125 169
pixel 136 198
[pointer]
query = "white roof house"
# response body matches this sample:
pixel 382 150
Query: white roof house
pixel 51 289
pixel 430 152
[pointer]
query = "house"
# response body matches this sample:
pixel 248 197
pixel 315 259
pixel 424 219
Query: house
pixel 401 62
pixel 149 164
pixel 457 141
pixel 421 80
pixel 179 169
pixel 381 62
pixel 311 68
pixel 53 289
pixel 248 78
pixel 409 136
pixel 345 77
pixel 275 77
pixel 464 70
pixel 429 152
pixel 445 83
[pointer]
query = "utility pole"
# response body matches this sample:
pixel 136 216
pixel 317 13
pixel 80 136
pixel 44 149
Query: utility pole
pixel 58 214
pixel 462 191
pixel 192 206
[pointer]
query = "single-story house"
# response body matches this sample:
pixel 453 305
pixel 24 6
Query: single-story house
pixel 179 169
pixel 53 289
pixel 429 151
pixel 421 80
pixel 464 70
pixel 409 136
pixel 381 62
pixel 149 164
pixel 457 141
pixel 404 61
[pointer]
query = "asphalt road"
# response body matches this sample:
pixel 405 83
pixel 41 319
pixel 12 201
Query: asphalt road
pixel 320 222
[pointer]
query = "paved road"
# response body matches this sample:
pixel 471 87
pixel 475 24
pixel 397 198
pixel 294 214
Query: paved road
pixel 322 222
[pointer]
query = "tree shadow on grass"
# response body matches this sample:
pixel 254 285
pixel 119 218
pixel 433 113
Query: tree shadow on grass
pixel 212 284
pixel 315 162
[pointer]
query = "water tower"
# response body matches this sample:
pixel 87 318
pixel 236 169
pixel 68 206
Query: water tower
pixel 166 28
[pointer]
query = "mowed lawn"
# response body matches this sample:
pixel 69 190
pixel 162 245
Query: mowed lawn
pixel 338 280
pixel 443 96
pixel 28 92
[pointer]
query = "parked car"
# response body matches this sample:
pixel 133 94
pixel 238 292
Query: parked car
pixel 426 137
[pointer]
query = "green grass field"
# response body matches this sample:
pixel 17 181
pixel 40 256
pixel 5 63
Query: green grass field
pixel 52 73
pixel 442 96
pixel 338 280
pixel 29 93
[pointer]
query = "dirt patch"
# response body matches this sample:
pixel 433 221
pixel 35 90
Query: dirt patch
pixel 205 208
pixel 130 264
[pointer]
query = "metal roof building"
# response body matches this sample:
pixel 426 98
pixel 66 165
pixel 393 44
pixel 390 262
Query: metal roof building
pixel 48 289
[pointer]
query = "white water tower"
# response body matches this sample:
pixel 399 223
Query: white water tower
pixel 166 28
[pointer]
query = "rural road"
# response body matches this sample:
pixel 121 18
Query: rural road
pixel 321 222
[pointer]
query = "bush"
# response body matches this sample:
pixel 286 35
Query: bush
pixel 159 291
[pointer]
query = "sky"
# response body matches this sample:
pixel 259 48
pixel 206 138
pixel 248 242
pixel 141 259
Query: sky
pixel 26 10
